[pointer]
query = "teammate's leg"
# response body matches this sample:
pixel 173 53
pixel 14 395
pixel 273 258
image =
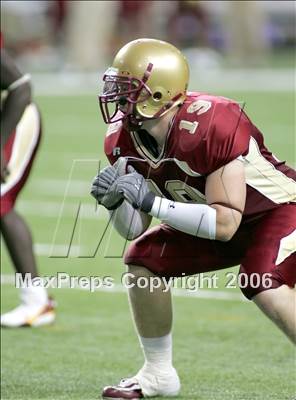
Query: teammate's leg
pixel 280 306
pixel 36 308
pixel 18 240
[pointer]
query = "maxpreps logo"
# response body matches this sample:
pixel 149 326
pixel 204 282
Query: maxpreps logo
pixel 63 280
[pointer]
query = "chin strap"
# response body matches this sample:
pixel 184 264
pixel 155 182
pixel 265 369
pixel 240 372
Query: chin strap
pixel 136 121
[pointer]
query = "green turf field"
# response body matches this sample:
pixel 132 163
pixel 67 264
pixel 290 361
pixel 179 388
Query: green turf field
pixel 224 349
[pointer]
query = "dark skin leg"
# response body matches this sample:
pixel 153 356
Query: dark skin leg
pixel 18 239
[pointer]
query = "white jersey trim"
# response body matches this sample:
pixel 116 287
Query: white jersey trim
pixel 287 247
pixel 26 138
pixel 19 82
pixel 266 179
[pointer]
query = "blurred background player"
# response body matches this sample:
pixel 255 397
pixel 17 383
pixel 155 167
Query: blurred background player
pixel 20 137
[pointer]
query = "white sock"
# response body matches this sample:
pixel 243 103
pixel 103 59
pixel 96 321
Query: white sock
pixel 34 295
pixel 157 352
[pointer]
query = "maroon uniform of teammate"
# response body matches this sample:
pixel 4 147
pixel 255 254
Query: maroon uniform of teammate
pixel 20 137
pixel 197 163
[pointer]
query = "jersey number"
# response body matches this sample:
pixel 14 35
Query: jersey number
pixel 179 191
pixel 199 107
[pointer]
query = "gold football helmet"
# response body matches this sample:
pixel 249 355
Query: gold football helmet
pixel 147 78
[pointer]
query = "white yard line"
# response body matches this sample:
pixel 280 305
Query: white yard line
pixel 58 250
pixel 52 209
pixel 118 288
pixel 44 249
pixel 74 187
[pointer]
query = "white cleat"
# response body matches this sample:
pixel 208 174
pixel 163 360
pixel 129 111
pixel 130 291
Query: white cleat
pixel 145 384
pixel 35 310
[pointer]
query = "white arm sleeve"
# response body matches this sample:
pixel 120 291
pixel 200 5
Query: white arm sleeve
pixel 194 219
pixel 128 222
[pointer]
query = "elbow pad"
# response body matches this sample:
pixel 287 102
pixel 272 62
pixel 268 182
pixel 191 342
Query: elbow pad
pixel 128 222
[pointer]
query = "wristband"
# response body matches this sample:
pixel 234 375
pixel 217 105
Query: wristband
pixel 147 202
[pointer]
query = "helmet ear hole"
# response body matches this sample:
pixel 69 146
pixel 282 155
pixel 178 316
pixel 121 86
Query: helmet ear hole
pixel 157 96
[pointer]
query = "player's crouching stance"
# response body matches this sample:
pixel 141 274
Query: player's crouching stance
pixel 222 197
pixel 20 137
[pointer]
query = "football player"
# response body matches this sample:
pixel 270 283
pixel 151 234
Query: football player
pixel 198 164
pixel 20 136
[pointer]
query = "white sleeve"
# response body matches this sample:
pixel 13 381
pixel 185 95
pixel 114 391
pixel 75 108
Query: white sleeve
pixel 128 222
pixel 194 219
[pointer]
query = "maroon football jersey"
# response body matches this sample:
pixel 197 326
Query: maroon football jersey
pixel 207 133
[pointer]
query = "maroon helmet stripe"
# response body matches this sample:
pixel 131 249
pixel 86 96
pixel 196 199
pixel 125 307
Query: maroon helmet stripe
pixel 147 73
